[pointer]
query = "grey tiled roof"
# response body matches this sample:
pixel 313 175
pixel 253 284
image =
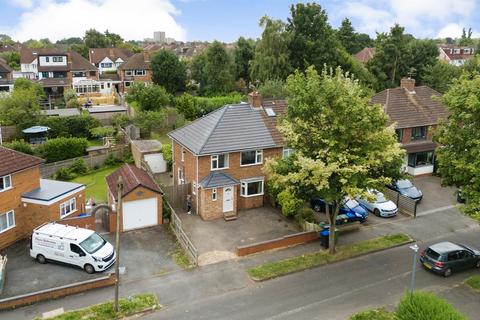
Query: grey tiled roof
pixel 52 189
pixel 218 179
pixel 228 129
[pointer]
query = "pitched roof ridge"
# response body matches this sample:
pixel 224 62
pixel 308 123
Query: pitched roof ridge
pixel 197 120
pixel 225 107
pixel 129 166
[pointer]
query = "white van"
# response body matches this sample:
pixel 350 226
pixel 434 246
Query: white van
pixel 71 245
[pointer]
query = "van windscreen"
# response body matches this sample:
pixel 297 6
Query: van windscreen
pixel 92 243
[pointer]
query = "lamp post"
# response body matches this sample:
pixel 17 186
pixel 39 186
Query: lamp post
pixel 414 267
pixel 117 239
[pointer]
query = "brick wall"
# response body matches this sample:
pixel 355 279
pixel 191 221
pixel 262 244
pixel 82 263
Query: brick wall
pixel 285 241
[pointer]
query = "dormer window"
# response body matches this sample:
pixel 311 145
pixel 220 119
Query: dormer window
pixel 456 51
pixel 466 51
pixel 57 59
pixel 5 183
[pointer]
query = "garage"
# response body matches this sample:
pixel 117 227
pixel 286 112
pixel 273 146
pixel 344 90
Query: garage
pixel 142 199
pixel 156 162
pixel 140 214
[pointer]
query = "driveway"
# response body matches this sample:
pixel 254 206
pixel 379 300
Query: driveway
pixel 144 253
pixel 217 240
pixel 435 197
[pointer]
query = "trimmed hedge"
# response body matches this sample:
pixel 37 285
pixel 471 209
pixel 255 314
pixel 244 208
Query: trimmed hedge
pixel 62 148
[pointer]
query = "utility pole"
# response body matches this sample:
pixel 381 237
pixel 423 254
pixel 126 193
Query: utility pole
pixel 117 239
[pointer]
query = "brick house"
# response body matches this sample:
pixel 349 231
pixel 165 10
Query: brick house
pixel 455 55
pixel 27 201
pixel 108 59
pixel 416 111
pixel 142 199
pixel 6 76
pixel 136 68
pixel 223 154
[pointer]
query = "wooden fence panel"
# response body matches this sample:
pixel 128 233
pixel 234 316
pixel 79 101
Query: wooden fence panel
pixel 177 195
pixel 182 237
pixel 405 205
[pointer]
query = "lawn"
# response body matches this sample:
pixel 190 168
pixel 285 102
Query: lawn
pixel 374 314
pixel 104 311
pixel 474 282
pixel 95 143
pixel 162 136
pixel 278 268
pixel 96 184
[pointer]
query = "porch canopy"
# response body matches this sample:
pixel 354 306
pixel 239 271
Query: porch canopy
pixel 218 179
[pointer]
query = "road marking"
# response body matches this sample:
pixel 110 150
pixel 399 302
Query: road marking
pixel 52 313
pixel 424 213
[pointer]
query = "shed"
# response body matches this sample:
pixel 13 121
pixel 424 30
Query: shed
pixel 142 198
pixel 36 134
pixel 149 152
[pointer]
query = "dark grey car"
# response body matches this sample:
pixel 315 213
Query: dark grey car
pixel 446 257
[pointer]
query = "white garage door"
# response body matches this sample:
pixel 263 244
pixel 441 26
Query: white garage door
pixel 140 214
pixel 156 162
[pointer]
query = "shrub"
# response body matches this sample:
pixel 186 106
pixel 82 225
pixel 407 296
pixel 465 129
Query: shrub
pixel 101 132
pixel 128 158
pixel 79 167
pixel 289 203
pixel 425 306
pixel 152 97
pixel 72 103
pixel 64 174
pixel 111 160
pixel 273 89
pixel 305 214
pixel 20 145
pixel 376 314
pixel 69 94
pixel 167 211
pixel 75 126
pixel 62 148
pixel 167 153
pixel 193 107
pixel 187 105
pixel 149 121
pixel 121 120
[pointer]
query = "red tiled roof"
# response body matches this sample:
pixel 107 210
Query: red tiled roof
pixel 365 55
pixel 12 161
pixel 132 177
pixel 96 55
pixel 278 106
pixel 27 55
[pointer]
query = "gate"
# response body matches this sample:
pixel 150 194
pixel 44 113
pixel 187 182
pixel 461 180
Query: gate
pixel 177 195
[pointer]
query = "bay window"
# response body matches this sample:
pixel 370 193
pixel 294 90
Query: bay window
pixel 251 187
pixel 420 159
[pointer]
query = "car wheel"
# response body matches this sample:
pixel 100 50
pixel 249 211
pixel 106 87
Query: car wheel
pixel 41 259
pixel 89 268
pixel 317 208
pixel 478 264
pixel 447 273
pixel 376 212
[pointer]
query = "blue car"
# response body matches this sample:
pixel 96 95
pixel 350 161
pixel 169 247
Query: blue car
pixel 350 210
pixel 407 189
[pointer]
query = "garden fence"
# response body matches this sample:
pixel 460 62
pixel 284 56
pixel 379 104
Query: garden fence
pixel 405 205
pixel 182 237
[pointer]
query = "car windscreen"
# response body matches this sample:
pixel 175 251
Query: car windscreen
pixel 351 204
pixel 432 254
pixel 404 184
pixel 92 243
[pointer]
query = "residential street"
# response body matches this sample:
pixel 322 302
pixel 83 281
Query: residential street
pixel 223 290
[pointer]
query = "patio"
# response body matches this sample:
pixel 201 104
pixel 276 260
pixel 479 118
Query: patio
pixel 216 240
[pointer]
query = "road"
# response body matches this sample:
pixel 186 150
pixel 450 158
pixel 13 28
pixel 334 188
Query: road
pixel 224 291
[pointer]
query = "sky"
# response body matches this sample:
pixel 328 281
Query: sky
pixel 225 20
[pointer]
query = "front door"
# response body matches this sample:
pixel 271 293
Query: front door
pixel 227 199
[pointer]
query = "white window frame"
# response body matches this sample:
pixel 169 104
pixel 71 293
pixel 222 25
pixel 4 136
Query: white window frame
pixel 9 225
pixel 214 159
pixel 456 51
pixel 180 176
pixel 140 72
pixel 194 188
pixel 258 158
pixel 287 152
pixel 244 187
pixel 70 207
pixel 214 194
pixel 9 179
pixel 128 73
pixel 182 156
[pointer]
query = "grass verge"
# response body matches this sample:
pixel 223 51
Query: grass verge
pixel 275 269
pixel 374 314
pixel 96 186
pixel 181 259
pixel 104 311
pixel 473 282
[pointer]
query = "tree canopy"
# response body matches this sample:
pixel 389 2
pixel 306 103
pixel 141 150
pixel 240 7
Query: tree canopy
pixel 168 71
pixel 244 51
pixel 151 97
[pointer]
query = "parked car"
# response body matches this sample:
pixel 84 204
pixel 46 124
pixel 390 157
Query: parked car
pixel 446 257
pixel 79 247
pixel 380 206
pixel 350 210
pixel 406 188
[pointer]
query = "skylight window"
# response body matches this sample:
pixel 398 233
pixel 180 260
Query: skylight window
pixel 270 112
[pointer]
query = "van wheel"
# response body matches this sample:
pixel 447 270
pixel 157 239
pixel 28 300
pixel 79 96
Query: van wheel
pixel 41 259
pixel 447 273
pixel 89 268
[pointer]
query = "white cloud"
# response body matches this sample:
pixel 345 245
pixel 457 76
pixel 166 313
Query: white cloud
pixel 371 19
pixel 22 3
pixel 133 20
pixel 452 30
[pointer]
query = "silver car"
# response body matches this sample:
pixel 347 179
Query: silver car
pixel 380 206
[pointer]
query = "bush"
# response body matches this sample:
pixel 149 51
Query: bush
pixel 128 158
pixel 64 174
pixel 289 203
pixel 72 103
pixel 305 214
pixel 101 132
pixel 62 148
pixel 79 167
pixel 20 145
pixel 376 314
pixel 273 89
pixel 149 121
pixel 121 120
pixel 193 107
pixel 70 97
pixel 111 160
pixel 426 306
pixel 75 126
pixel 152 97
pixel 167 211
pixel 167 153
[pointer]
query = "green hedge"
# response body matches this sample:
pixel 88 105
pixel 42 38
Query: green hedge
pixel 19 145
pixel 193 107
pixel 75 126
pixel 426 306
pixel 62 148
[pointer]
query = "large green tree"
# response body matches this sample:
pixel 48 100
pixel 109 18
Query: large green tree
pixel 114 39
pixel 458 158
pixel 244 51
pixel 440 76
pixel 152 97
pixel 218 70
pixel 346 35
pixel 423 53
pixel 168 71
pixel 95 39
pixel 334 158
pixel 272 59
pixel 21 108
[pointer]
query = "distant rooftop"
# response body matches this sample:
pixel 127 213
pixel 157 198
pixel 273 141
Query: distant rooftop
pixel 68 112
pixel 104 109
pixel 147 145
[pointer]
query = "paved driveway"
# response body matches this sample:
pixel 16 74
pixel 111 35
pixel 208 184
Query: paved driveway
pixel 435 197
pixel 144 253
pixel 216 240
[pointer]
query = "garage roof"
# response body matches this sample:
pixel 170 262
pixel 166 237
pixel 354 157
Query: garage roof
pixel 132 177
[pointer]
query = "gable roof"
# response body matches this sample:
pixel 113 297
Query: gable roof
pixel 27 55
pixel 96 55
pixel 448 51
pixel 230 128
pixel 365 54
pixel 133 177
pixel 4 67
pixel 78 62
pixel 12 161
pixel 411 109
pixel 137 61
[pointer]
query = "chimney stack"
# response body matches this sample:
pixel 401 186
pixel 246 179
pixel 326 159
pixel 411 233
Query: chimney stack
pixel 146 56
pixel 255 99
pixel 408 84
pixel 110 52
